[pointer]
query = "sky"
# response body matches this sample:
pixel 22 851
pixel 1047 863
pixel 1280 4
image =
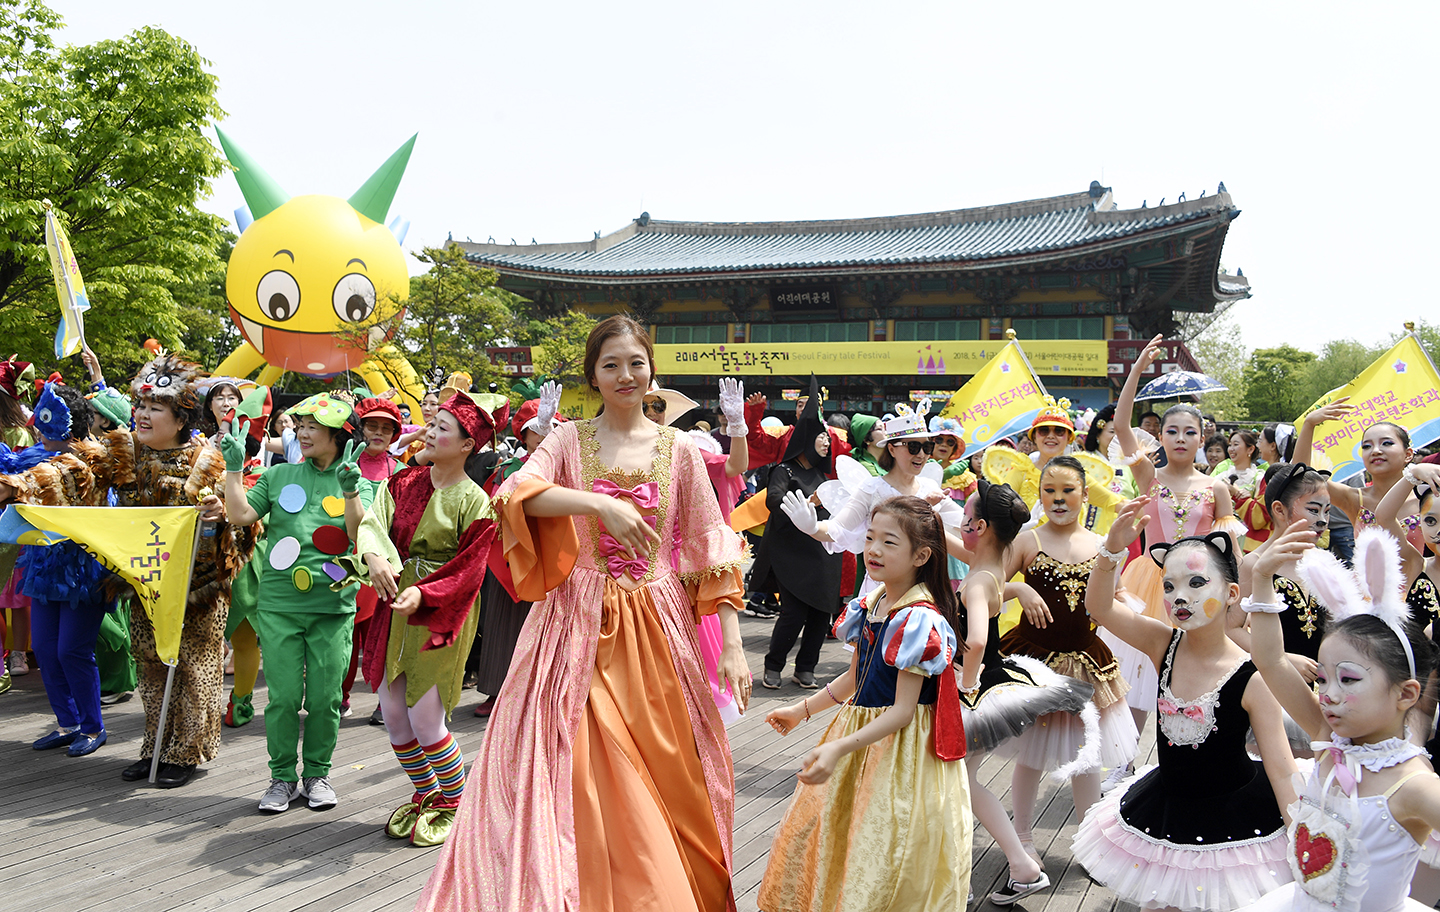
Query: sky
pixel 554 120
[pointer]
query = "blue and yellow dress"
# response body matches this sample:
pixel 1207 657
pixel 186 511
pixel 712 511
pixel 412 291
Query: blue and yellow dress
pixel 890 829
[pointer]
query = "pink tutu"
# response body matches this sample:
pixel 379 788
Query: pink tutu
pixel 1152 872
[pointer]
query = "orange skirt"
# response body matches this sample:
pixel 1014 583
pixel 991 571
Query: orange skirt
pixel 645 833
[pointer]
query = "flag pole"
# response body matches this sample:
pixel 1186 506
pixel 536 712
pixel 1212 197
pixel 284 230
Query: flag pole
pixel 170 673
pixel 1010 335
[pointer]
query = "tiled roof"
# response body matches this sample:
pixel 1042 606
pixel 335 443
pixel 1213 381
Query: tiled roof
pixel 966 238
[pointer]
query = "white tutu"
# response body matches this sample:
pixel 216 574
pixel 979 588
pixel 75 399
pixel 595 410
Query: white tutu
pixel 1055 740
pixel 1009 703
pixel 1137 669
pixel 1291 897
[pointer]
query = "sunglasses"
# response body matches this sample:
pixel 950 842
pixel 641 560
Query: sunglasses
pixel 655 405
pixel 916 447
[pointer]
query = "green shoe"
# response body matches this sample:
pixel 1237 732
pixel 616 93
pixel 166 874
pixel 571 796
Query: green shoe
pixel 402 822
pixel 433 823
pixel 5 682
pixel 241 711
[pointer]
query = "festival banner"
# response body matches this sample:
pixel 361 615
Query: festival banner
pixel 151 548
pixel 1401 385
pixel 69 288
pixel 999 401
pixel 1059 358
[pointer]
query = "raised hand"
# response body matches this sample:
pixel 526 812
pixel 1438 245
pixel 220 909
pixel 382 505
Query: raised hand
pixel 1282 553
pixel 732 405
pixel 1128 522
pixel 348 470
pixel 1152 353
pixel 549 405
pixel 232 445
pixel 801 512
pixel 1333 411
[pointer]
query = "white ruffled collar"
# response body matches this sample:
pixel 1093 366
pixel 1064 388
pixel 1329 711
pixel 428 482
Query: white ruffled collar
pixel 1376 756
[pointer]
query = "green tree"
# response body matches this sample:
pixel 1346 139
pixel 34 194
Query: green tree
pixel 113 134
pixel 1339 362
pixel 1275 383
pixel 454 313
pixel 1222 355
pixel 560 345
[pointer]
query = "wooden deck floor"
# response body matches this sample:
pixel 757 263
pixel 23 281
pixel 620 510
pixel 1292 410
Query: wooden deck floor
pixel 78 838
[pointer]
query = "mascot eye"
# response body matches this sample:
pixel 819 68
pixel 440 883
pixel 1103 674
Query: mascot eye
pixel 44 415
pixel 354 297
pixel 278 295
pixel 163 381
pixel 151 379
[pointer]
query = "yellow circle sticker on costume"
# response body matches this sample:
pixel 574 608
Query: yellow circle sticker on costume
pixel 301 579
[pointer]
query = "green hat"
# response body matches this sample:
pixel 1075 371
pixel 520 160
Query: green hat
pixel 860 427
pixel 326 409
pixel 111 403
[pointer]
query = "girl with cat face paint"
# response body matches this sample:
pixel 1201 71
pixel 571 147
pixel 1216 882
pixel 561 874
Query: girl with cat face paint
pixel 1208 809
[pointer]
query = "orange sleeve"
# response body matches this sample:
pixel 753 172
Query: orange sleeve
pixel 710 591
pixel 541 550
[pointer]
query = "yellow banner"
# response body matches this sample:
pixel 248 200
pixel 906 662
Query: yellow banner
pixel 999 401
pixel 1059 358
pixel 150 547
pixel 1400 386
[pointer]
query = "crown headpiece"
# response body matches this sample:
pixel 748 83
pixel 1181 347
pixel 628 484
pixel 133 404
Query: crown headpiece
pixel 907 422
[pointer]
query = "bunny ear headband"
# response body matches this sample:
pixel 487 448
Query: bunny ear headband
pixel 1374 587
pixel 1219 542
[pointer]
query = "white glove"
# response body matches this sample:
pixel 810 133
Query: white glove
pixel 732 404
pixel 549 405
pixel 801 512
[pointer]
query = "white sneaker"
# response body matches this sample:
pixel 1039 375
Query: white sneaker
pixel 1013 892
pixel 278 796
pixel 17 663
pixel 1117 776
pixel 320 792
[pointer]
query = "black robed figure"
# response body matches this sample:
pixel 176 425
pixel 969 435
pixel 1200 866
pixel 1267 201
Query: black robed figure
pixel 791 562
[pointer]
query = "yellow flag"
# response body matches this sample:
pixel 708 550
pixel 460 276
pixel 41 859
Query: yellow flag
pixel 152 548
pixel 1400 386
pixel 999 401
pixel 69 288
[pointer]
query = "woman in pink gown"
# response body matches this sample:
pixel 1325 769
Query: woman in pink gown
pixel 605 781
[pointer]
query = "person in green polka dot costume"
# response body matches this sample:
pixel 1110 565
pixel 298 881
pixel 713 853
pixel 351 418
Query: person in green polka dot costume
pixel 312 510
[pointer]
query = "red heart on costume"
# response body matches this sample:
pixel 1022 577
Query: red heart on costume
pixel 1314 854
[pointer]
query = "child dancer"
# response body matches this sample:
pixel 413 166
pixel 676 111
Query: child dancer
pixel 1057 558
pixel 1420 571
pixel 881 817
pixel 424 545
pixel 1182 502
pixel 1293 492
pixel 1385 451
pixel 1203 830
pixel 1371 801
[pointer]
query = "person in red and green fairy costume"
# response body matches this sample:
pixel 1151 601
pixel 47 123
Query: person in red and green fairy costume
pixel 423 545
pixel 313 509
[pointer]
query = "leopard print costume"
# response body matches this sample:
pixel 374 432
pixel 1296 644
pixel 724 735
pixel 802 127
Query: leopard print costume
pixel 144 477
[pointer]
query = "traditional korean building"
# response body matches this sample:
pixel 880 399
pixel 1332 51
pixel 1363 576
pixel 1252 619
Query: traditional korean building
pixel 881 308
